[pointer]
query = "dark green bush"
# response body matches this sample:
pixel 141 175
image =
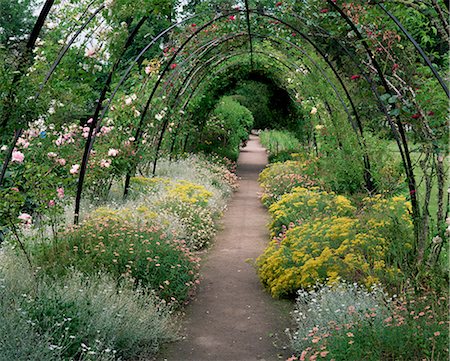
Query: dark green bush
pixel 228 126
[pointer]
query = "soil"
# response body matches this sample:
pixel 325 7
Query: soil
pixel 233 317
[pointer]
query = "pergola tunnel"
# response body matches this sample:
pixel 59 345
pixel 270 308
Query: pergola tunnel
pixel 123 124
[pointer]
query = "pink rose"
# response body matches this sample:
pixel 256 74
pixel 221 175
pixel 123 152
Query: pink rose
pixel 51 203
pixel 17 157
pixel 25 218
pixel 113 152
pixel 62 161
pixel 105 163
pixel 75 168
pixel 60 192
pixel 89 53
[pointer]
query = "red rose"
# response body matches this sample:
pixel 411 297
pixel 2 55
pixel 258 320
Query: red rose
pixel 173 66
pixel 323 11
pixel 355 77
pixel 416 116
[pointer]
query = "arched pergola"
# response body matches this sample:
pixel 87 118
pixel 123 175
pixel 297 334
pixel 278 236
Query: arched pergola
pixel 209 57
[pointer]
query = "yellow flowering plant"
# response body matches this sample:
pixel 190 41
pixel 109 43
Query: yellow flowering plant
pixel 188 192
pixel 320 237
pixel 324 250
pixel 307 203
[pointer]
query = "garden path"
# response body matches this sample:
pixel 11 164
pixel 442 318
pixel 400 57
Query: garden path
pixel 233 318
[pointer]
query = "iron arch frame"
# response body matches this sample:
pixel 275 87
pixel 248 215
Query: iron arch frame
pixel 101 111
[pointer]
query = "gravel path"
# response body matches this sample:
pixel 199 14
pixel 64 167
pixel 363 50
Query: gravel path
pixel 233 318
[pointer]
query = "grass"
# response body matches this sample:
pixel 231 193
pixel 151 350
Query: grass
pixel 280 144
pixel 416 157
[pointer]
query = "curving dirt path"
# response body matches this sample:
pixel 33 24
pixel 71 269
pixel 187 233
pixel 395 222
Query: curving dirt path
pixel 233 318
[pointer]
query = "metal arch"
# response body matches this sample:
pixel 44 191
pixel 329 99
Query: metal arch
pixel 96 123
pixel 165 70
pixel 4 168
pixel 268 37
pixel 165 123
pixel 290 67
pixel 141 54
pixel 308 39
pixel 402 142
pixel 367 176
pixel 372 86
pixel 218 63
pixel 249 30
pixel 357 127
pixel 418 48
pixel 367 167
pixel 31 43
pixel 237 11
pixel 206 48
pixel 194 91
pixel 94 126
pixel 139 129
pixel 64 51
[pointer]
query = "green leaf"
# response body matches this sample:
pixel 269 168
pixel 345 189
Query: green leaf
pixel 395 112
pixel 393 99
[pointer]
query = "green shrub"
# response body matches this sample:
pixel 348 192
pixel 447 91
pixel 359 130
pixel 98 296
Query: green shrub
pixel 341 165
pixel 343 170
pixel 281 156
pixel 346 322
pixel 228 126
pixel 144 254
pixel 77 318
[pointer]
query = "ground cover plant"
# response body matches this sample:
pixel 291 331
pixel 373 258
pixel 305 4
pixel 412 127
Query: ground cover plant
pixel 324 239
pixel 144 255
pixel 78 317
pixel 352 323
